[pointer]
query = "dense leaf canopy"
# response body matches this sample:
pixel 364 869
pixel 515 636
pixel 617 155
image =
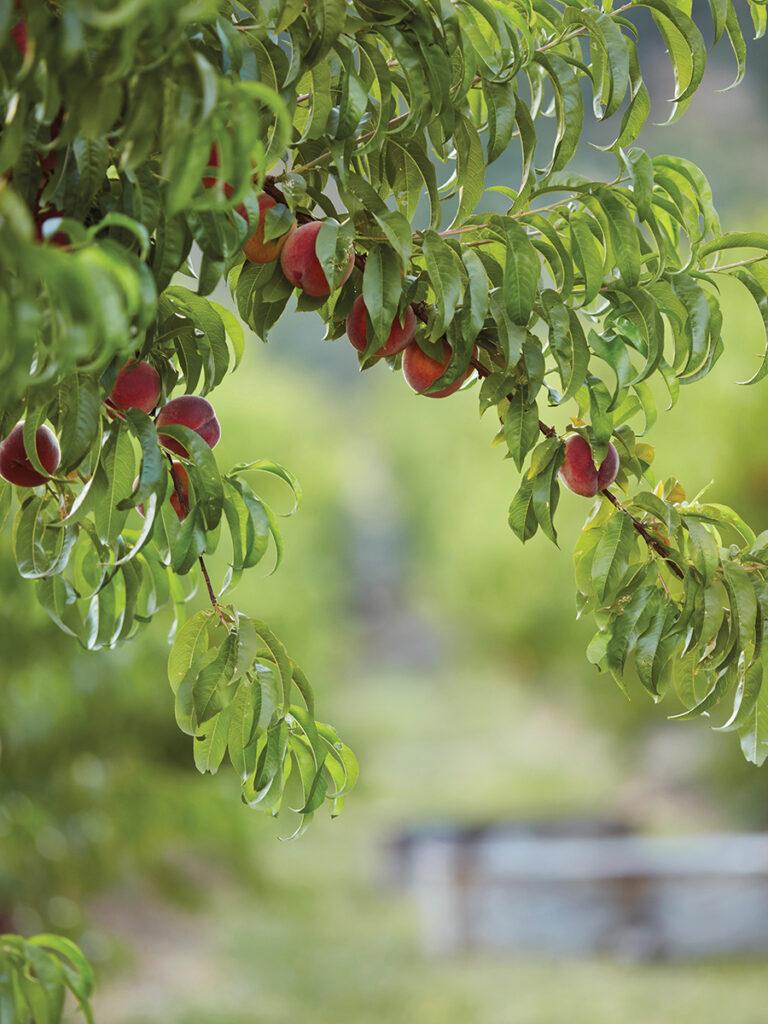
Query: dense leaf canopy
pixel 152 149
pixel 145 142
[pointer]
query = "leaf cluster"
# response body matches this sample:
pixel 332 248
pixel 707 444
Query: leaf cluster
pixel 137 138
pixel 37 974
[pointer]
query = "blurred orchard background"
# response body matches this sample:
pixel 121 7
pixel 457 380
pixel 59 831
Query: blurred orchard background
pixel 449 657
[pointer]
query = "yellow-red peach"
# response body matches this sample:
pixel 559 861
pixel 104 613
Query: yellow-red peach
pixel 188 411
pixel 421 370
pixel 15 465
pixel 578 471
pixel 399 337
pixel 300 264
pixel 137 386
pixel 180 493
pixel 19 36
pixel 209 181
pixel 255 248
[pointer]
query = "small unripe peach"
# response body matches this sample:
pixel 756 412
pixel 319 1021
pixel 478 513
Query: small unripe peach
pixel 301 265
pixel 421 370
pixel 188 411
pixel 15 465
pixel 399 337
pixel 255 248
pixel 137 386
pixel 578 471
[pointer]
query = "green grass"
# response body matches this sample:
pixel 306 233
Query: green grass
pixel 349 957
pixel 324 938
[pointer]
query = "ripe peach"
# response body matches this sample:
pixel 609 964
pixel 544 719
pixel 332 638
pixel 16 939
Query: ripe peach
pixel 59 238
pixel 180 494
pixel 400 335
pixel 255 248
pixel 19 36
pixel 421 370
pixel 15 466
pixel 189 411
pixel 137 386
pixel 301 265
pixel 209 181
pixel 579 473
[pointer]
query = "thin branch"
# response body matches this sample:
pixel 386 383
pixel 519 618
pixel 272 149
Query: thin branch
pixel 211 592
pixel 735 266
pixel 655 545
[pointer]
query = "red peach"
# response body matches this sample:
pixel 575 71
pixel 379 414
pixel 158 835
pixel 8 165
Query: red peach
pixel 180 494
pixel 400 335
pixel 15 465
pixel 189 411
pixel 137 386
pixel 255 248
pixel 59 238
pixel 301 265
pixel 49 160
pixel 19 36
pixel 213 161
pixel 421 370
pixel 578 471
pixel 208 180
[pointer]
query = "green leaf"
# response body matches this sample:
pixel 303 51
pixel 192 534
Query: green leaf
pixel 211 689
pixel 521 428
pixel 522 515
pixel 204 472
pixel 79 416
pixel 153 475
pixel 190 645
pixel 501 103
pixel 243 719
pixel 382 287
pixel 743 602
pixel 611 558
pixel 469 169
pixel 754 733
pixel 210 745
pixel 545 463
pixel 333 248
pixel 446 277
pixel 735 240
pixel 115 479
pixel 521 275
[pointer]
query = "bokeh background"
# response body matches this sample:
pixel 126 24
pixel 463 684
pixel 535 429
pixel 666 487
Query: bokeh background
pixel 449 657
